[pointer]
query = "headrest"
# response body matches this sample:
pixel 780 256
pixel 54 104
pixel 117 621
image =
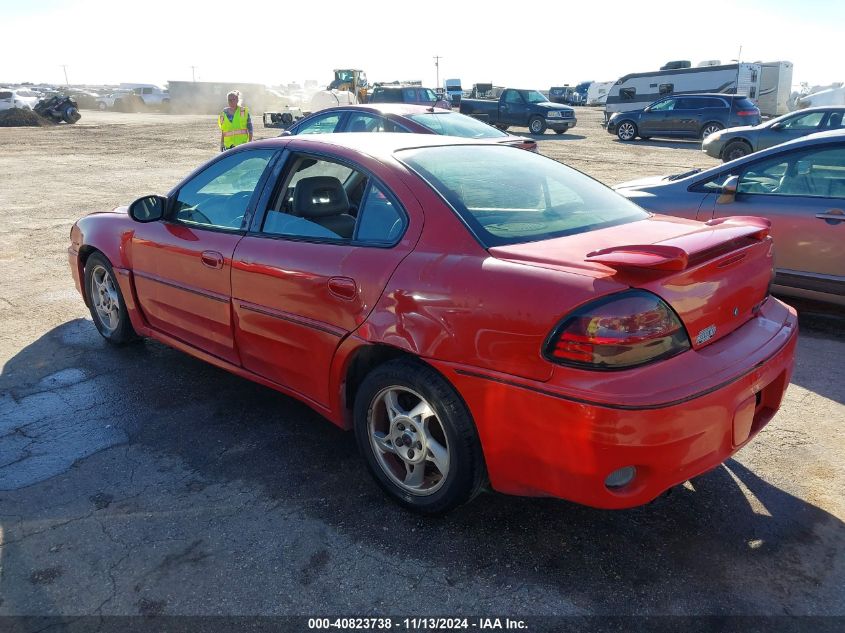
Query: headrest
pixel 319 196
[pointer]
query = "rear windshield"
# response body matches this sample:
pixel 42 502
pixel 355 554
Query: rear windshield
pixel 386 96
pixel 506 195
pixel 454 124
pixel 744 103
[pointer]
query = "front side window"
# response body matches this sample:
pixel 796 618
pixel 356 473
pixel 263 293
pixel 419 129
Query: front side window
pixel 512 96
pixel 409 95
pixel 218 196
pixel 325 124
pixel 535 96
pixel 427 95
pixel 325 200
pixel 663 106
pixel 813 173
pixel 804 122
pixel 509 196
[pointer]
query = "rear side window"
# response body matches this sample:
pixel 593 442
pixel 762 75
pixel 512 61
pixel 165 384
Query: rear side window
pixel 325 200
pixel 509 196
pixel 454 124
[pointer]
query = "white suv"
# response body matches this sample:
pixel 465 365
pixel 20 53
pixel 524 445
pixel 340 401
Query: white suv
pixel 17 98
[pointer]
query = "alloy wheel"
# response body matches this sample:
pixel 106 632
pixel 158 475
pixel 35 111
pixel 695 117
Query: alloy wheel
pixel 105 298
pixel 408 440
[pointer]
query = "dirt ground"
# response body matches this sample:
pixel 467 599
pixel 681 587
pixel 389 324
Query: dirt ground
pixel 141 481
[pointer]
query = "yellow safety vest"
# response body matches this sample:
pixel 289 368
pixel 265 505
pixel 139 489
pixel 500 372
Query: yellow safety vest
pixel 235 131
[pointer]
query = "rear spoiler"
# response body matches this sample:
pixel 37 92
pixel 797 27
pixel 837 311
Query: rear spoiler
pixel 675 254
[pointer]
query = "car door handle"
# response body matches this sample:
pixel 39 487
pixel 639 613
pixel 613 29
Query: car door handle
pixel 832 215
pixel 212 259
pixel 343 287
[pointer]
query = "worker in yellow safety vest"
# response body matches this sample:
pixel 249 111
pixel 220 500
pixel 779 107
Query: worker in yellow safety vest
pixel 234 123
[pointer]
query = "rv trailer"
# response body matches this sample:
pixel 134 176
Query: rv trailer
pixel 637 90
pixel 597 92
pixel 775 88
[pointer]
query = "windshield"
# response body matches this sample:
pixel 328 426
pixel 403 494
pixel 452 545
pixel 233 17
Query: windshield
pixel 535 96
pixel 454 124
pixel 509 196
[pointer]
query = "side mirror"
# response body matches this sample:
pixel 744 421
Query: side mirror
pixel 728 190
pixel 647 109
pixel 148 208
pixel 286 133
pixel 778 126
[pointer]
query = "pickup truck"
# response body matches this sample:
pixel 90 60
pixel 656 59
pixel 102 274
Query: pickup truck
pixel 526 108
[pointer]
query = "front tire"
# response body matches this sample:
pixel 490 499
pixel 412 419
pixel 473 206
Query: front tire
pixel 536 125
pixel 417 437
pixel 627 131
pixel 105 301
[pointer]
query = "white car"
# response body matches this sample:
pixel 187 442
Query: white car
pixel 17 98
pixel 106 102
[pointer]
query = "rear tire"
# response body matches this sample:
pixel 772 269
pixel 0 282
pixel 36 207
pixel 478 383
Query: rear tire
pixel 418 437
pixel 536 125
pixel 105 301
pixel 710 128
pixel 734 150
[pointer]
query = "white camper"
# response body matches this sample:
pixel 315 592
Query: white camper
pixel 637 90
pixel 597 92
pixel 775 88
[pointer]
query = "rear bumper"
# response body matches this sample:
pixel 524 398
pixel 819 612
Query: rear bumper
pixel 539 440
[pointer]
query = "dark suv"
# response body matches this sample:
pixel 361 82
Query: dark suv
pixel 685 115
pixel 408 94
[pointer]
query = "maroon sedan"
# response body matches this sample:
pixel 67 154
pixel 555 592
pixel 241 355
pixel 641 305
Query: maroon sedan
pixel 401 117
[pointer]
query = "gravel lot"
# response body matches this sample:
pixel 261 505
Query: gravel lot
pixel 141 481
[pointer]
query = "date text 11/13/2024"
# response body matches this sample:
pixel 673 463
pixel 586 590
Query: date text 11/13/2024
pixel 416 624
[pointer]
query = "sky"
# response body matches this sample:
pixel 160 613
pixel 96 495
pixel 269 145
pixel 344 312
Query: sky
pixel 155 41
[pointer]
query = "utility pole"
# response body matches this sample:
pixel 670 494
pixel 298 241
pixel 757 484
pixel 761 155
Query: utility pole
pixel 437 59
pixel 64 66
pixel 193 73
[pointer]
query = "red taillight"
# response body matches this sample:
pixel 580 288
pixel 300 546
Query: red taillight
pixel 624 330
pixel 747 112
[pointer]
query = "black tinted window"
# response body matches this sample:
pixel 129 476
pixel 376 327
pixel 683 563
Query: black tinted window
pixel 628 94
pixel 744 103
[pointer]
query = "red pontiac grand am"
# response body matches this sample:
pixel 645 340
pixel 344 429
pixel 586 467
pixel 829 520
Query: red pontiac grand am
pixel 475 312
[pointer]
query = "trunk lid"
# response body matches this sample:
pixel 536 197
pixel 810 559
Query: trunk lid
pixel 715 275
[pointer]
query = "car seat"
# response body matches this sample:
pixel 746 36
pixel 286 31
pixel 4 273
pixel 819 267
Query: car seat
pixel 323 200
pixel 835 121
pixel 358 125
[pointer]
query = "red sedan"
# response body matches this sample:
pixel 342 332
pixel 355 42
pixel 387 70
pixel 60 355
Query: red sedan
pixel 473 311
